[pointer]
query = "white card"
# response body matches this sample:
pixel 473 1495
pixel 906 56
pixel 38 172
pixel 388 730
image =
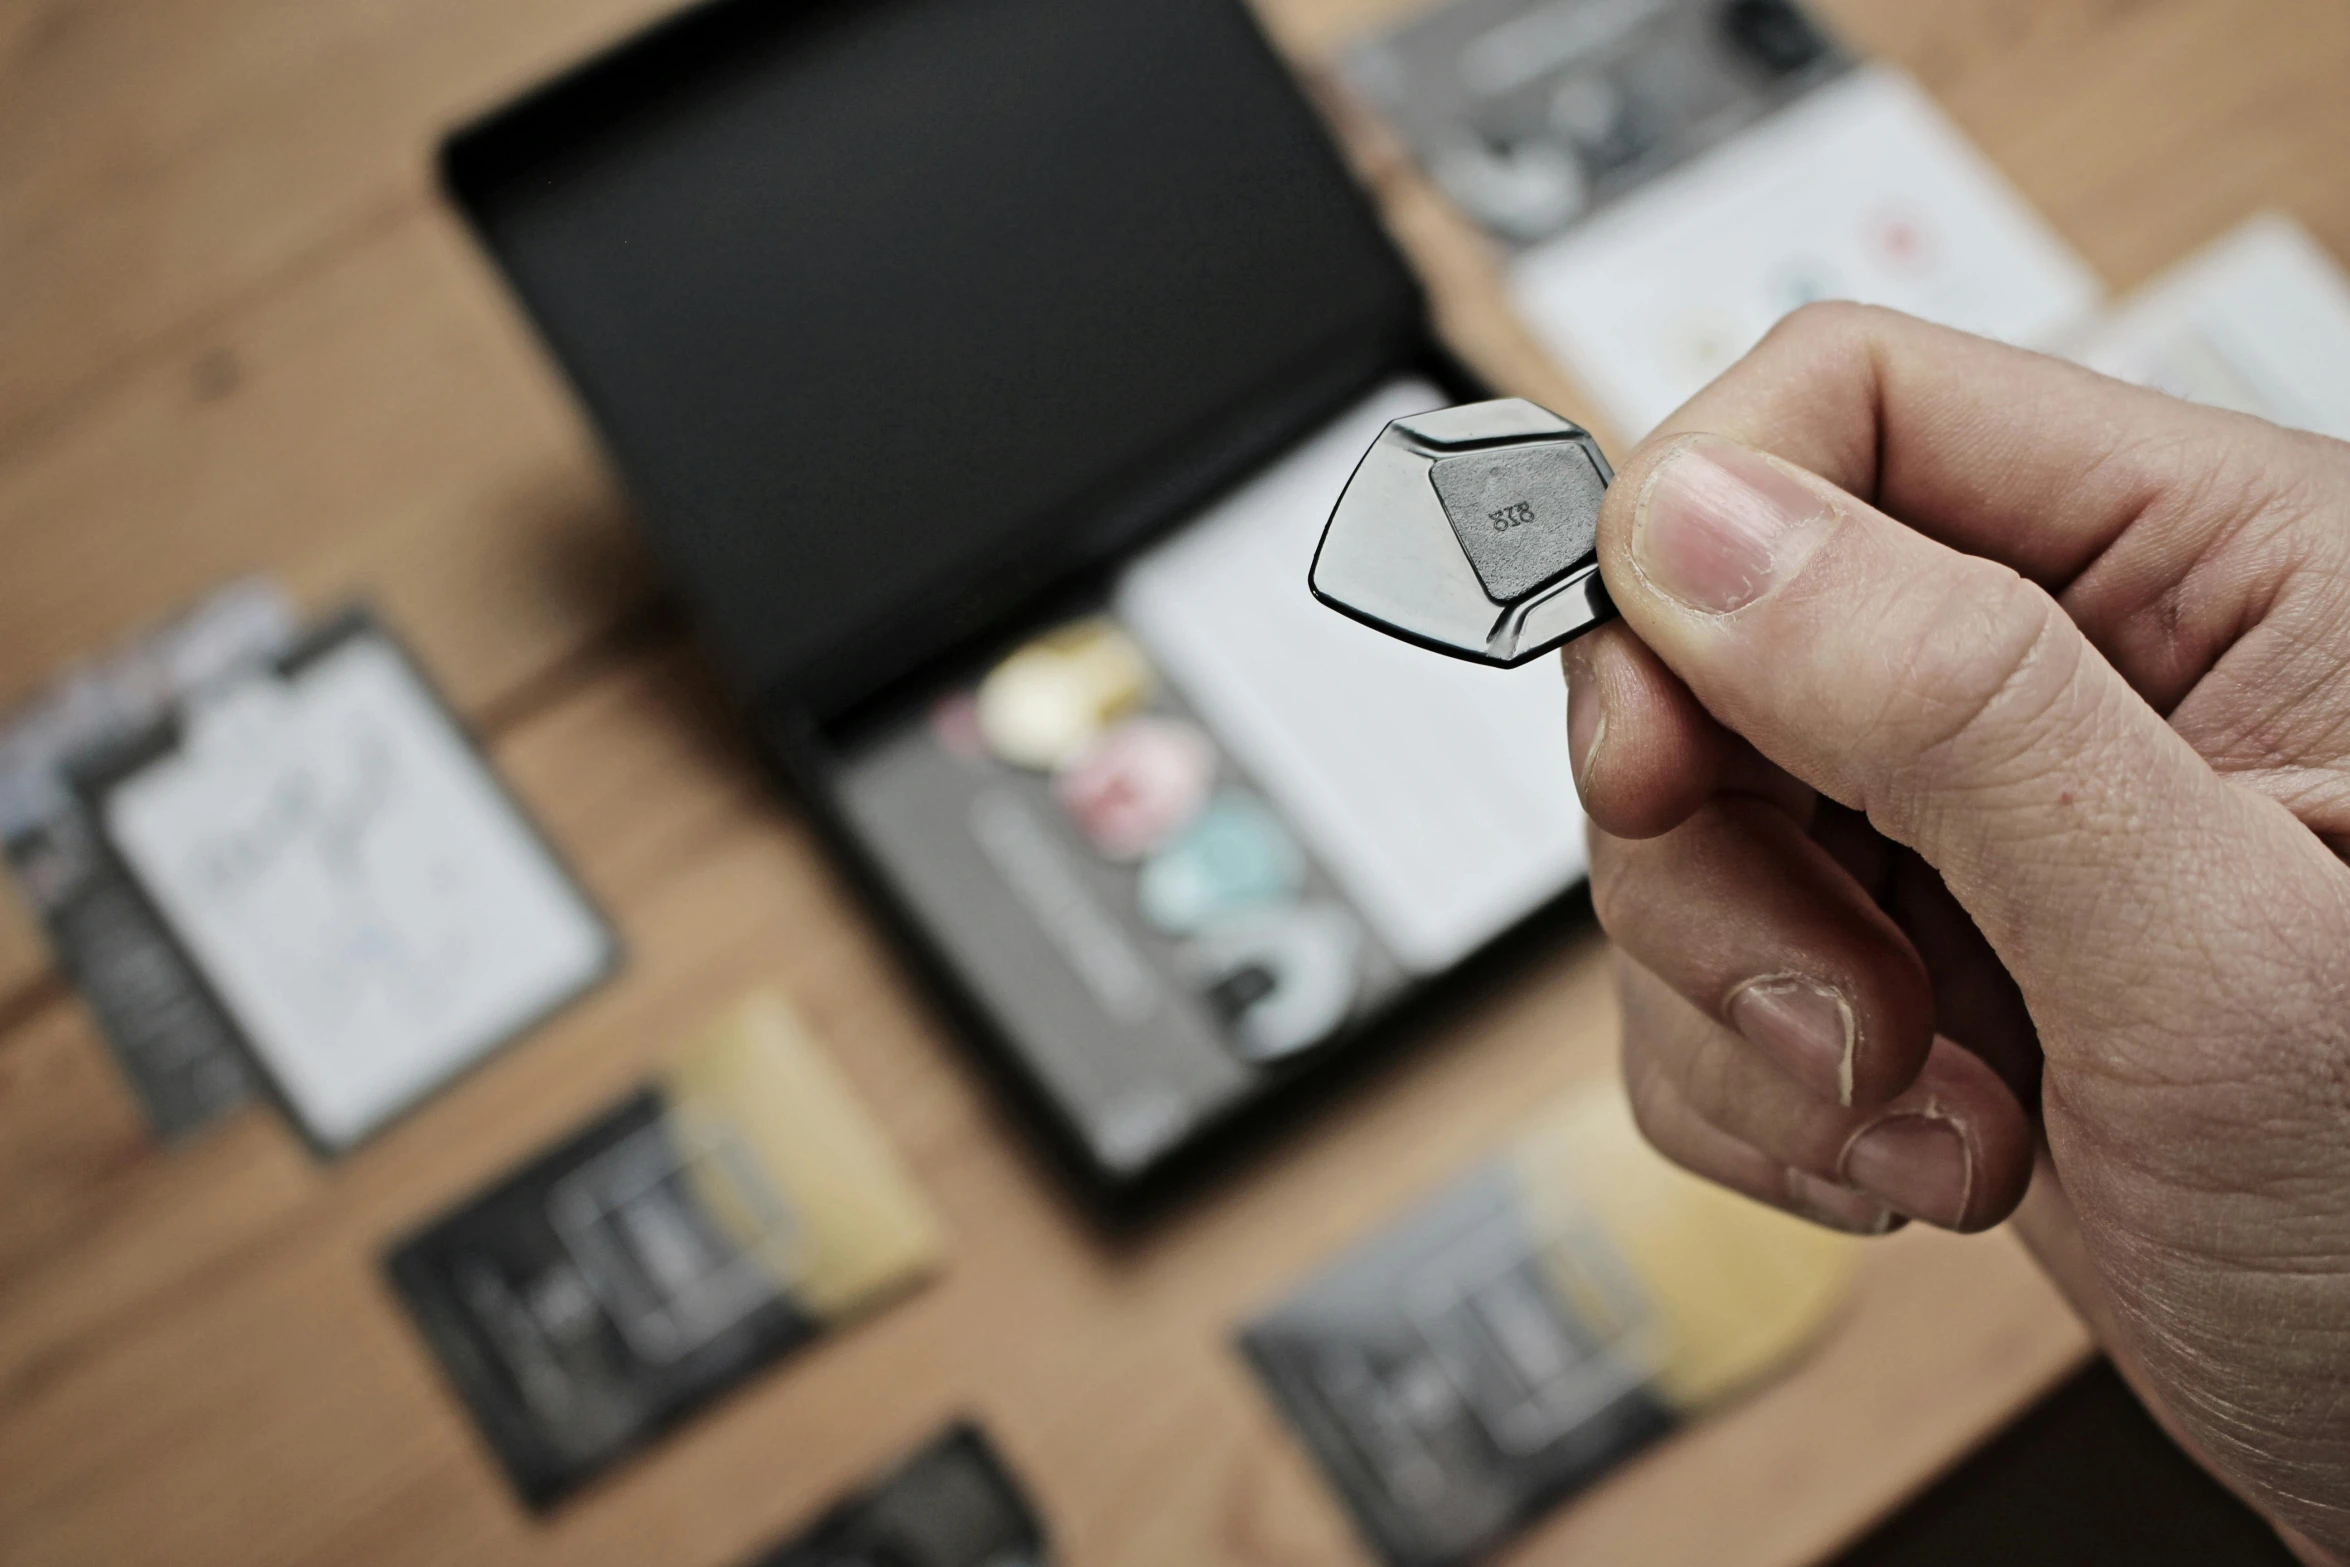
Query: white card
pixel 1435 792
pixel 1859 190
pixel 2258 322
pixel 370 906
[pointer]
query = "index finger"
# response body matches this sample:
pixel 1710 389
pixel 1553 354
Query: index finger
pixel 2028 460
pixel 2108 495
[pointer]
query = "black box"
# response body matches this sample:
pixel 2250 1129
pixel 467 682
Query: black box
pixel 908 322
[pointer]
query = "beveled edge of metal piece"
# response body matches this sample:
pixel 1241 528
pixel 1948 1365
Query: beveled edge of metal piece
pixel 1391 482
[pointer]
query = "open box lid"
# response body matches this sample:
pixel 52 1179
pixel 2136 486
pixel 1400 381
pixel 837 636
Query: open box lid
pixel 898 313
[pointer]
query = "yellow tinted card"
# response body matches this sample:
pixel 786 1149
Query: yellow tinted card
pixel 850 1227
pixel 1531 1324
pixel 1727 1290
pixel 725 1215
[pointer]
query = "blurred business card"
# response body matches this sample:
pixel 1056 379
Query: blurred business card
pixel 1673 176
pixel 728 1213
pixel 1534 114
pixel 2258 322
pixel 1530 1326
pixel 176 1047
pixel 370 908
pixel 952 1504
pixel 1861 190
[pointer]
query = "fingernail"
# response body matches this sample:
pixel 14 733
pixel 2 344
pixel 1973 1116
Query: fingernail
pixel 1586 720
pixel 1718 526
pixel 1918 1164
pixel 1839 1207
pixel 1807 1025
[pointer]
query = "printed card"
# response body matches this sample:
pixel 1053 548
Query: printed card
pixel 1670 177
pixel 725 1215
pixel 953 1504
pixel 1530 1326
pixel 2258 322
pixel 179 1052
pixel 370 908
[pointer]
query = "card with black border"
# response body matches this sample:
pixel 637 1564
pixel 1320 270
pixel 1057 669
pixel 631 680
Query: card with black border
pixel 952 1504
pixel 1532 1324
pixel 177 1051
pixel 720 1218
pixel 367 904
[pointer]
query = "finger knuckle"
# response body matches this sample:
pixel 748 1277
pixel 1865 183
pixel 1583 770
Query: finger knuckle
pixel 1973 690
pixel 1826 326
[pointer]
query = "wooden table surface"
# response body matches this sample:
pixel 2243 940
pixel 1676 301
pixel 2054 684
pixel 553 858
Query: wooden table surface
pixel 239 331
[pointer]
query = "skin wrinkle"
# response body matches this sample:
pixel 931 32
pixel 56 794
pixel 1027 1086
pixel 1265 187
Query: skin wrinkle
pixel 1591 751
pixel 2258 739
pixel 1880 417
pixel 2324 1270
pixel 2230 1424
pixel 1977 841
pixel 1837 345
pixel 1906 804
pixel 2183 1215
pixel 2184 953
pixel 2284 678
pixel 1704 1070
pixel 2184 1326
pixel 2250 966
pixel 2127 1162
pixel 2252 604
pixel 2198 1336
pixel 1668 1119
pixel 1713 1066
pixel 2268 1452
pixel 2019 663
pixel 2225 574
pixel 1990 453
pixel 1942 431
pixel 2145 497
pixel 1607 894
pixel 2151 656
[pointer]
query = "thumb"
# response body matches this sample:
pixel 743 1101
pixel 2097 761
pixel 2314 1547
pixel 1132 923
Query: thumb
pixel 1943 694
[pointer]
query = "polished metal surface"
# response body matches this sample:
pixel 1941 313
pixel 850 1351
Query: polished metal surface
pixel 1471 531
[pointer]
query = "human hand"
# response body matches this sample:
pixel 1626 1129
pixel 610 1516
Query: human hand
pixel 1969 779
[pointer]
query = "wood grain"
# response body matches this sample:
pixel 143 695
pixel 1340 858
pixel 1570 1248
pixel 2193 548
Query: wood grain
pixel 239 319
pixel 24 959
pixel 204 1335
pixel 241 334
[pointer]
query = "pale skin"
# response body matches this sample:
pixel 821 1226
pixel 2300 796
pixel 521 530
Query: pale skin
pixel 1970 783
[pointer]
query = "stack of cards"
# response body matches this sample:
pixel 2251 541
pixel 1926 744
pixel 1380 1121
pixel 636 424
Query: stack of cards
pixel 729 1213
pixel 364 904
pixel 176 1046
pixel 953 1504
pixel 273 857
pixel 1532 1325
